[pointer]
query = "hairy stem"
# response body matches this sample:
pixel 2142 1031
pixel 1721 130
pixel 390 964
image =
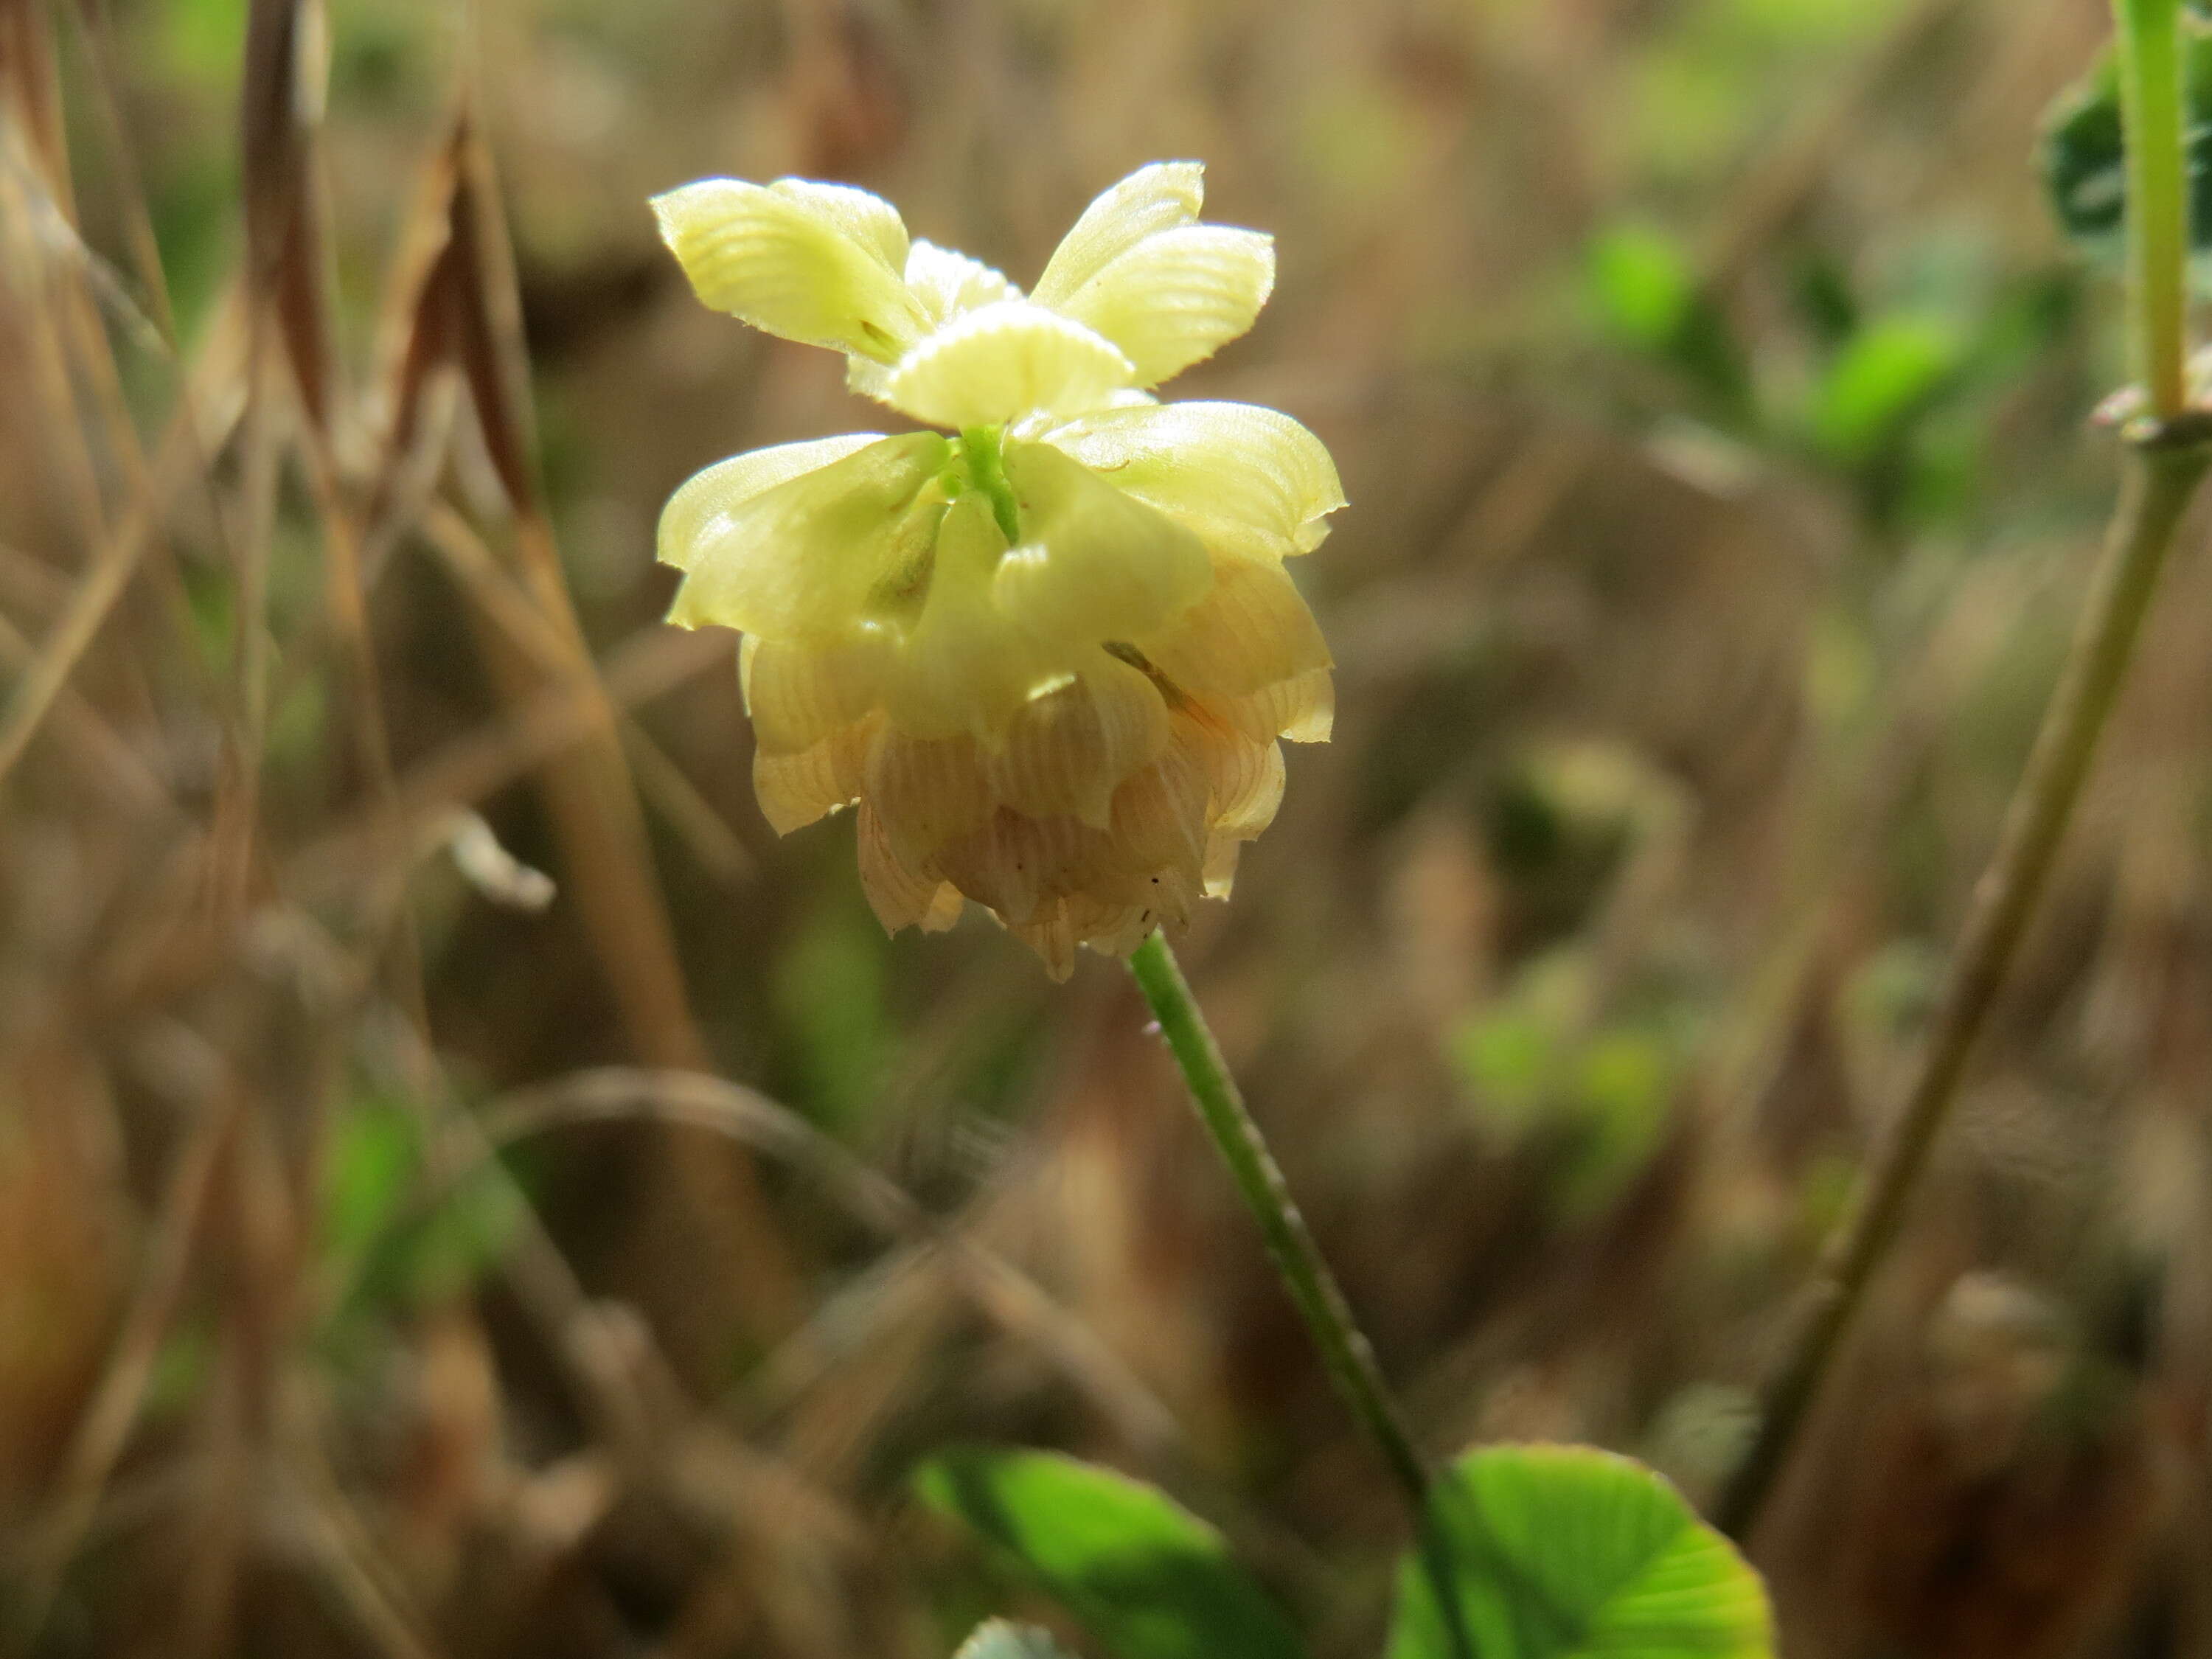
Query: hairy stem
pixel 1345 1348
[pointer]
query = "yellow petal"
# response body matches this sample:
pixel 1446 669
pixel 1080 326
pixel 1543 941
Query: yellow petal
pixel 1243 478
pixel 1067 752
pixel 1093 564
pixel 947 284
pixel 966 667
pixel 1161 197
pixel 727 485
pixel 1003 360
pixel 1250 631
pixel 800 694
pixel 865 378
pixel 1178 296
pixel 814 554
pixel 819 263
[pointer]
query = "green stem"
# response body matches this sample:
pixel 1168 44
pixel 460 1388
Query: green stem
pixel 1344 1349
pixel 2169 457
pixel 2151 99
pixel 2162 477
pixel 984 448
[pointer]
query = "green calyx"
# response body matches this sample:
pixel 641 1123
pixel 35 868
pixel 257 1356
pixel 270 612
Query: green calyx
pixel 979 464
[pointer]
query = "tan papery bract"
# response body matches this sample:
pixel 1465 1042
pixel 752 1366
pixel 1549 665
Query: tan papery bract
pixel 1065 752
pixel 795 790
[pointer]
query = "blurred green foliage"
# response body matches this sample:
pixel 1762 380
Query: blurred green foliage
pixel 2083 159
pixel 1146 1578
pixel 399 1233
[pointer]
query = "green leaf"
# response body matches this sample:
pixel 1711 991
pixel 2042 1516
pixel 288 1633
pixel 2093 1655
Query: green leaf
pixel 378 1248
pixel 999 1639
pixel 1145 1577
pixel 1646 290
pixel 1644 284
pixel 1889 371
pixel 1569 1553
pixel 367 1178
pixel 2082 157
pixel 1624 1084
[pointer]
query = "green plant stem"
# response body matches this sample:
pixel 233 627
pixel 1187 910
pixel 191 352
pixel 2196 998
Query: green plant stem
pixel 2163 473
pixel 2152 114
pixel 2168 460
pixel 1345 1348
pixel 984 447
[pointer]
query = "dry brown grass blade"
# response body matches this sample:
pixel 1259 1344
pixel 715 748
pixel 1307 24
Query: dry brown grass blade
pixel 662 782
pixel 473 767
pixel 78 285
pixel 628 1393
pixel 289 282
pixel 457 306
pixel 115 762
pixel 97 33
pixel 932 1253
pixel 372 1591
pixel 28 223
pixel 287 260
pixel 267 120
pixel 29 83
pixel 116 557
pixel 591 793
pixel 65 311
pixel 113 1409
pixel 1008 1295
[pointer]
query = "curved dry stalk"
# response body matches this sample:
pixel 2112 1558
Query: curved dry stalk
pixel 1002 1290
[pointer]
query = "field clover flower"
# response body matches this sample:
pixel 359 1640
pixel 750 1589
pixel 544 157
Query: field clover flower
pixel 1048 656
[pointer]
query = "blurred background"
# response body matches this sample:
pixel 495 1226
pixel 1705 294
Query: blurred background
pixel 383 1269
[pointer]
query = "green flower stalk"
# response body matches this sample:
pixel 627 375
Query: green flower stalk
pixel 1049 656
pixel 1049 651
pixel 2170 451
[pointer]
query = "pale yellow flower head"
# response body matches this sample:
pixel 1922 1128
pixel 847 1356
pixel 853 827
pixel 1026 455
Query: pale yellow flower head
pixel 1049 657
